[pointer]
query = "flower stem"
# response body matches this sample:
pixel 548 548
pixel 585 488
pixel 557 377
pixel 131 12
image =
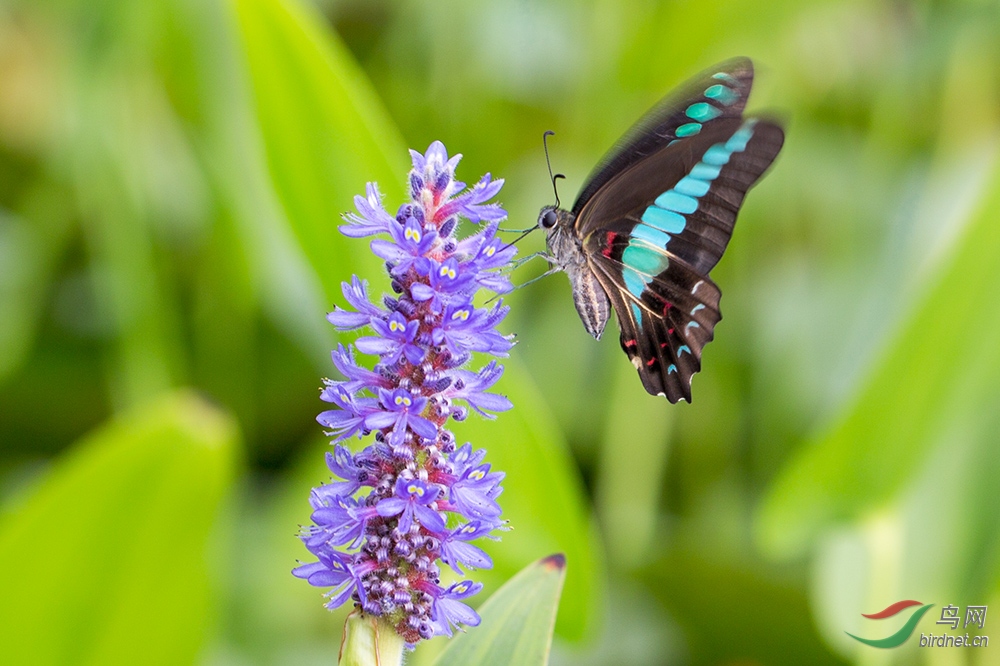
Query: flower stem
pixel 370 641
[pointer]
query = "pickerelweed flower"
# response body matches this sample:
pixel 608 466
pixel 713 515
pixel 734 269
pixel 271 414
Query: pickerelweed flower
pixel 426 497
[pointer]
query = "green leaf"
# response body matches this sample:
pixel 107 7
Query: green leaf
pixel 945 363
pixel 543 499
pixel 106 562
pixel 517 621
pixel 325 132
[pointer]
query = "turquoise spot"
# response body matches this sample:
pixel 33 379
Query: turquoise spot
pixel 682 349
pixel 704 171
pixel 722 76
pixel 721 93
pixel 673 142
pixel 671 368
pixel 651 235
pixel 693 324
pixel 692 187
pixel 681 203
pixel 700 306
pixel 644 259
pixel 638 314
pixel 717 155
pixel 633 281
pixel 664 220
pixel 702 112
pixel 688 129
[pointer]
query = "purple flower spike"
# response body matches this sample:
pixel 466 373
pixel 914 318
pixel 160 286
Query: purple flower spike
pixel 382 550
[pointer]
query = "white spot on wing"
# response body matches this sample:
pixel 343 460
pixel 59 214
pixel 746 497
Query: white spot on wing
pixel 636 362
pixel 697 284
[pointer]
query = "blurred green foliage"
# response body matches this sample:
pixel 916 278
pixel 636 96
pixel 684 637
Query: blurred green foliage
pixel 171 176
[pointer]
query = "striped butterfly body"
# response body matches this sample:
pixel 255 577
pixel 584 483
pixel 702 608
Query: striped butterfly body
pixel 655 217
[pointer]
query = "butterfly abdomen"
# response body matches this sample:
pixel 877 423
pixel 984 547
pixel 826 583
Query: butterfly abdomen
pixel 589 297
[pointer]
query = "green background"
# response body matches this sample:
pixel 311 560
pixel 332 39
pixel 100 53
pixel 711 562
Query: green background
pixel 172 173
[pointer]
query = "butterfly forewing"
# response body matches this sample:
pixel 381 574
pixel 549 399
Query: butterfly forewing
pixel 720 92
pixel 700 183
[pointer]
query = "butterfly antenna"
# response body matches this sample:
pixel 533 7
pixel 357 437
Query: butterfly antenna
pixel 548 163
pixel 516 240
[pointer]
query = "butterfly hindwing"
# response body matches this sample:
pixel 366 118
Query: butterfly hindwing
pixel 665 327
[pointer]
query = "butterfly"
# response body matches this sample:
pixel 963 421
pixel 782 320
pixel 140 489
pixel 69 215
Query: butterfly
pixel 654 218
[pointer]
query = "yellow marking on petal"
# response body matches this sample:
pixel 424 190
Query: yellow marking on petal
pixel 478 474
pixel 395 326
pixel 412 488
pixel 443 271
pixel 407 402
pixel 461 314
pixel 490 251
pixel 468 529
pixel 412 234
pixel 462 587
pixel 452 273
pixel 398 400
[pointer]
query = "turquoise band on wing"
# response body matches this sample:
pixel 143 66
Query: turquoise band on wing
pixel 645 259
pixel 637 312
pixel 646 254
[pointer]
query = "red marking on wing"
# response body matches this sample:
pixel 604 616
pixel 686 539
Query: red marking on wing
pixel 650 362
pixel 667 307
pixel 607 247
pixel 630 343
pixel 664 344
pixel 889 611
pixel 670 331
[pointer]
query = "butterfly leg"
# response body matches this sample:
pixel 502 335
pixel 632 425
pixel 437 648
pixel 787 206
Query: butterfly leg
pixel 517 263
pixel 551 271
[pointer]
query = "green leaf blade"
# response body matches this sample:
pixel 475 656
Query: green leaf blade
pixel 517 621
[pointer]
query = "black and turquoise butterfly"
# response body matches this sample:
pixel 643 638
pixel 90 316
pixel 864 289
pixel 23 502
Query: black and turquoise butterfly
pixel 655 217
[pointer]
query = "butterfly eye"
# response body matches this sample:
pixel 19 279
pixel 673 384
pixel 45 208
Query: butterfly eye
pixel 548 219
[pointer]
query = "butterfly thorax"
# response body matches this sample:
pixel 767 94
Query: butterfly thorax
pixel 565 250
